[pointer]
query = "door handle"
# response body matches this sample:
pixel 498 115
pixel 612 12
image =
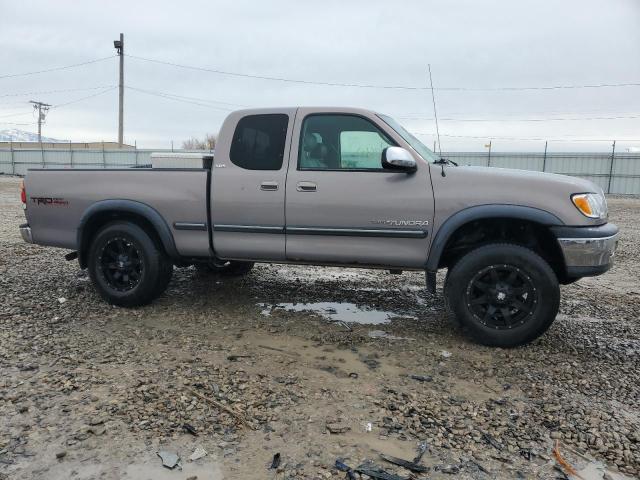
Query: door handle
pixel 306 187
pixel 269 186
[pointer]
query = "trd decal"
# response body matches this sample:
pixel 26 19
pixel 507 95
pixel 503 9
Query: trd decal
pixel 50 201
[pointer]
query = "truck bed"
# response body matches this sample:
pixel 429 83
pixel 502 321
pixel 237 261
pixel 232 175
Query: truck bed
pixel 58 199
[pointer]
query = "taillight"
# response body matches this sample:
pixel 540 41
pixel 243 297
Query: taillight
pixel 23 193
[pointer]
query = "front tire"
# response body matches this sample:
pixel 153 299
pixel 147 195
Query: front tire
pixel 126 265
pixel 503 295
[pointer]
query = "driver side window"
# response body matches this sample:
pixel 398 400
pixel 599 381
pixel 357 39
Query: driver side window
pixel 341 142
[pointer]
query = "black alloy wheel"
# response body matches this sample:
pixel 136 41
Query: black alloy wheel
pixel 127 264
pixel 121 264
pixel 501 296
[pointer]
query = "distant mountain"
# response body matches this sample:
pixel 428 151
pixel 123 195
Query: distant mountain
pixel 15 135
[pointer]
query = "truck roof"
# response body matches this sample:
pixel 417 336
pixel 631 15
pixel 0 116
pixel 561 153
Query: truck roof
pixel 263 110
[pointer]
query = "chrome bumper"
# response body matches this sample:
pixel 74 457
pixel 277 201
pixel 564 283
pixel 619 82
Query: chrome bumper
pixel 589 252
pixel 25 231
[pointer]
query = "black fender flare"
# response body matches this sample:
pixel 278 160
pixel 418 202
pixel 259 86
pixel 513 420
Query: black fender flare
pixel 126 206
pixel 480 212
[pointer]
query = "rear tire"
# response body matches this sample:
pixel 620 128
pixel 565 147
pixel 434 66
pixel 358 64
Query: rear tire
pixel 126 266
pixel 231 268
pixel 503 295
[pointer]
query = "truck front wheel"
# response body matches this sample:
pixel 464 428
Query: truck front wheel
pixel 503 295
pixel 126 265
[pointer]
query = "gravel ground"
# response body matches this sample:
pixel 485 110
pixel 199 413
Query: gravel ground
pixel 90 391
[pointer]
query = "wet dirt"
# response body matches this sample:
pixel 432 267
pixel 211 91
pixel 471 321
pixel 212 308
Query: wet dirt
pixel 107 388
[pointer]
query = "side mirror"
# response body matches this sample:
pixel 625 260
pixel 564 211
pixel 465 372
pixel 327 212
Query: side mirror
pixel 398 159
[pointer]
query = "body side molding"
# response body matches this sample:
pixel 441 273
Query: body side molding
pixel 190 226
pixel 351 232
pixel 357 232
pixel 248 228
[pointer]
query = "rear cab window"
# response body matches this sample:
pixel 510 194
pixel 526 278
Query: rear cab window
pixel 258 142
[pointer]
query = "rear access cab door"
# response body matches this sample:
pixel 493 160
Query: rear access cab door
pixel 341 206
pixel 248 185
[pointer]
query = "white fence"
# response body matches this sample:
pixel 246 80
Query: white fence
pixel 619 173
pixel 17 162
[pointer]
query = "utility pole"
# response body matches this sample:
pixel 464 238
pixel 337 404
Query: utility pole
pixel 119 46
pixel 42 108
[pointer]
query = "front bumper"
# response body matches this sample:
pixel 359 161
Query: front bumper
pixel 25 231
pixel 587 251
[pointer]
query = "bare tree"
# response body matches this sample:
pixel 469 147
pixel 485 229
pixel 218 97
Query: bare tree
pixel 208 143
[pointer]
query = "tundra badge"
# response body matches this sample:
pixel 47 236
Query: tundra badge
pixel 402 223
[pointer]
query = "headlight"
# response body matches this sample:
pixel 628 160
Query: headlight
pixel 592 205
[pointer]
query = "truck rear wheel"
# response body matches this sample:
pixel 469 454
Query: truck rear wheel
pixel 231 268
pixel 127 267
pixel 503 295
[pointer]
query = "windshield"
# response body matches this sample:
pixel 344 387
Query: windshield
pixel 416 144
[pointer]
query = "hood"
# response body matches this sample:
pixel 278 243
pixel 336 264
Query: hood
pixel 464 187
pixel 548 180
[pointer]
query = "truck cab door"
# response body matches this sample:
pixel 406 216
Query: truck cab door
pixel 342 207
pixel 248 185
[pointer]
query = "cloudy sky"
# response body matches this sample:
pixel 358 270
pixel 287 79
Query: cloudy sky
pixel 481 47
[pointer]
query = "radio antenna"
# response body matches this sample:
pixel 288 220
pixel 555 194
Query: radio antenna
pixel 435 113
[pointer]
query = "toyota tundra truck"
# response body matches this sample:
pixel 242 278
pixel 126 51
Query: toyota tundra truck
pixel 337 187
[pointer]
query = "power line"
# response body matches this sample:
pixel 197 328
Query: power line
pixel 13 123
pixel 537 139
pixel 277 79
pixel 200 99
pixel 178 99
pixel 26 94
pixel 170 96
pixel 549 119
pixel 551 87
pixel 360 85
pixel 334 84
pixel 84 98
pixel 54 69
pixel 12 104
pixel 59 105
pixel 16 114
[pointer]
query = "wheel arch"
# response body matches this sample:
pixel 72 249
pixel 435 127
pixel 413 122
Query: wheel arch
pixel 469 215
pixel 105 211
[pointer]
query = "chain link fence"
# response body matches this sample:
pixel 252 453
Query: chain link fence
pixel 616 173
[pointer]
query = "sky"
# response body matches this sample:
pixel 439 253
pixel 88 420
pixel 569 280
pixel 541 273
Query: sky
pixel 486 48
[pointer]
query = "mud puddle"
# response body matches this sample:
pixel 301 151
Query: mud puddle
pixel 336 312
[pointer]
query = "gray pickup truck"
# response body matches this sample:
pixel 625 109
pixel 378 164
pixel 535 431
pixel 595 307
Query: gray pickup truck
pixel 333 186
